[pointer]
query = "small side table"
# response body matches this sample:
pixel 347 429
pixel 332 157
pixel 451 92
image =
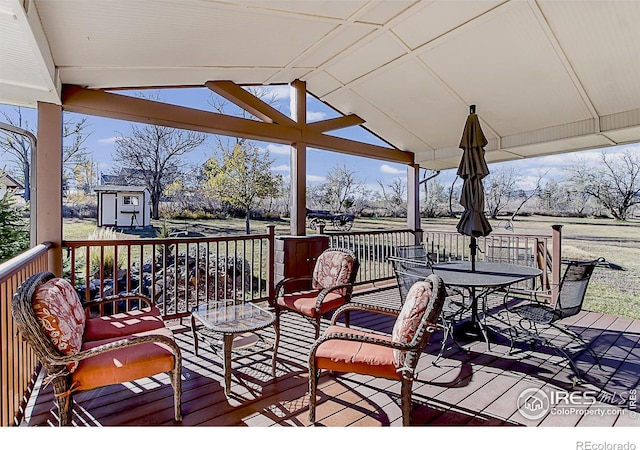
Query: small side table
pixel 235 323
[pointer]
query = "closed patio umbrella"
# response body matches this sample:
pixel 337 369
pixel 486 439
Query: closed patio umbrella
pixel 472 169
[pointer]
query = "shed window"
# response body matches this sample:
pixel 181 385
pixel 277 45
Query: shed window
pixel 129 200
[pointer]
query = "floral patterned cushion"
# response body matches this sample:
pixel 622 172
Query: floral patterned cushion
pixel 333 267
pixel 410 316
pixel 58 309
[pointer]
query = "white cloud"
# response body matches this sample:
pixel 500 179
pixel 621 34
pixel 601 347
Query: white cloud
pixel 314 116
pixel 278 149
pixel 386 168
pixel 281 92
pixel 281 168
pixel 109 140
pixel 316 178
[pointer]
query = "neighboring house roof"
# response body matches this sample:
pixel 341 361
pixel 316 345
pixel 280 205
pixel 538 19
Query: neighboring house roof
pixel 125 177
pixel 9 181
pixel 109 179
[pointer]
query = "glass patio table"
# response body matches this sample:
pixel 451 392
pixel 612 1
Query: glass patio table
pixel 231 325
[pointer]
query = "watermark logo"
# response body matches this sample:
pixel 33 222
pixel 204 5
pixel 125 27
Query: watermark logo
pixel 533 403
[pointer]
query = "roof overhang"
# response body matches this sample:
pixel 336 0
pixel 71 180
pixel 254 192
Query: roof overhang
pixel 547 76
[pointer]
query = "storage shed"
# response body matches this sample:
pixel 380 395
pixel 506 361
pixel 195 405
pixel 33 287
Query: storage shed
pixel 123 206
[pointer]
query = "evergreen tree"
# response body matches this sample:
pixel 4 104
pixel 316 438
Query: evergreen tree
pixel 14 228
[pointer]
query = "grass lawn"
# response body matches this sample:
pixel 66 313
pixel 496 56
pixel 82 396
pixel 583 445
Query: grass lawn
pixel 612 291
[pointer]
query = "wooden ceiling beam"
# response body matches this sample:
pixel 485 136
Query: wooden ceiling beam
pixel 249 102
pixel 336 123
pixel 355 148
pixel 115 106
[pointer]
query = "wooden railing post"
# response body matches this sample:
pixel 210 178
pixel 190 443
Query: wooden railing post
pixel 417 236
pixel 556 260
pixel 271 260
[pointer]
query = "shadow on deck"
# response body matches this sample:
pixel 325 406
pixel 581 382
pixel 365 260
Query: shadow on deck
pixel 474 387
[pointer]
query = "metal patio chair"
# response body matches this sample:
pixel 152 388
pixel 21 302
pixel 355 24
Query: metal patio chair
pixel 533 317
pixel 411 264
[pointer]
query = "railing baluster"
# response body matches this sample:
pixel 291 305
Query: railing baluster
pixel 18 363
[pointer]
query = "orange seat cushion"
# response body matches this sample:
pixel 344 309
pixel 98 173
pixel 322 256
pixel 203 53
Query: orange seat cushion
pixel 305 302
pixel 125 364
pixel 122 324
pixel 356 357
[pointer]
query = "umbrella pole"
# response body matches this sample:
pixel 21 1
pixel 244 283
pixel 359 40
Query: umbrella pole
pixel 474 301
pixel 473 246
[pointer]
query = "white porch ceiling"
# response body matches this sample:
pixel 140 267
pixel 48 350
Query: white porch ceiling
pixel 547 76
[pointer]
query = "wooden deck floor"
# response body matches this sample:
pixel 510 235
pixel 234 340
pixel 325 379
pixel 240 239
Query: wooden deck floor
pixel 474 387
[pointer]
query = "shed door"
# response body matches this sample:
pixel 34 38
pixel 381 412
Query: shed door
pixel 109 209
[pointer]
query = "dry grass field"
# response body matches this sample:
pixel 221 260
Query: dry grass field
pixel 614 290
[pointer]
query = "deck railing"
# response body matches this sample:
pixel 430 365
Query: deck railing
pixel 521 249
pixel 177 273
pixel 18 364
pixel 180 272
pixel 372 249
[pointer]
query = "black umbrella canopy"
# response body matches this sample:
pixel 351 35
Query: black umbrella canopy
pixel 472 169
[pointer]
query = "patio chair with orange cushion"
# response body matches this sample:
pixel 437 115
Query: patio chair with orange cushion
pixel 346 350
pixel 331 286
pixel 81 352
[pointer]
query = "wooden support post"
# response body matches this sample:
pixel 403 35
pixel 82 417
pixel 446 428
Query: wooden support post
pixel 298 207
pixel 413 202
pixel 556 261
pixel 48 182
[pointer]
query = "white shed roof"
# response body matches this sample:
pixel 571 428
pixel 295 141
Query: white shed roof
pixel 118 188
pixel 547 76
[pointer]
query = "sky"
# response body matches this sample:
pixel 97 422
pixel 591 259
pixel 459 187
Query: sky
pixel 103 133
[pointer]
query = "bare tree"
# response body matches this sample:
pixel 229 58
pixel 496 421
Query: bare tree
pixel 18 147
pixel 152 156
pixel 452 192
pixel 533 193
pixel 568 196
pixel 435 199
pixel 340 190
pixel 615 183
pixel 498 187
pixel 393 195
